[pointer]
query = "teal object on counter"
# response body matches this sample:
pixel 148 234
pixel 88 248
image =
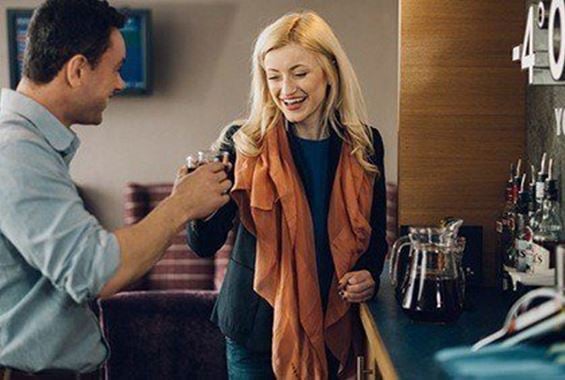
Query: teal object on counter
pixel 501 363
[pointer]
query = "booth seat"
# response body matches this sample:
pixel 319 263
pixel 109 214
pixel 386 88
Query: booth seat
pixel 159 328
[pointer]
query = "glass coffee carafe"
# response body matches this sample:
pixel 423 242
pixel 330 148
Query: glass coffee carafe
pixel 428 277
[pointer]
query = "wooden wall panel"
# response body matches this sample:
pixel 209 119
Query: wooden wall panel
pixel 461 113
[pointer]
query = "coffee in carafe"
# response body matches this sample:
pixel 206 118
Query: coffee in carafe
pixel 434 300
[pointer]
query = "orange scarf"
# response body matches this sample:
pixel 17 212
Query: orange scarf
pixel 273 206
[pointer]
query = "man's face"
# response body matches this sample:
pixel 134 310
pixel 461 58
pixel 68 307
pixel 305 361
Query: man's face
pixel 102 82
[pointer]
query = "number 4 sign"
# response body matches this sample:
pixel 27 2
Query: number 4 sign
pixel 546 55
pixel 528 53
pixel 525 52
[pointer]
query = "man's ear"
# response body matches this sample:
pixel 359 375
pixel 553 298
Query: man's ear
pixel 75 70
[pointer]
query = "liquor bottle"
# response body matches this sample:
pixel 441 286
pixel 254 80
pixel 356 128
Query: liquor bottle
pixel 523 234
pixel 539 194
pixel 532 206
pixel 516 180
pixel 540 180
pixel 504 226
pixel 549 231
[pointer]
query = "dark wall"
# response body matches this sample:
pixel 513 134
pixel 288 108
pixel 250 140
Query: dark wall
pixel 541 133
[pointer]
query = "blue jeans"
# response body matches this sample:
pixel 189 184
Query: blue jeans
pixel 244 364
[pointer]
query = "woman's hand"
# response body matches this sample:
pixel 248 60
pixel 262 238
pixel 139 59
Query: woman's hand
pixel 357 286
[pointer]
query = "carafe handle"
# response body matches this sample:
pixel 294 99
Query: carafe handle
pixel 395 258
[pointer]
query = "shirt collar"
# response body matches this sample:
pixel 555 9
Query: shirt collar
pixel 61 138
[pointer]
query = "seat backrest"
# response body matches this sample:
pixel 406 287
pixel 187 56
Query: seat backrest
pixel 180 267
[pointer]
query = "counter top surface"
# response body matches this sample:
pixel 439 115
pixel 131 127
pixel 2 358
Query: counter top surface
pixel 412 345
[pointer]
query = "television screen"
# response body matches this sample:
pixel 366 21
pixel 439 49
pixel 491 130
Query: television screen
pixel 137 35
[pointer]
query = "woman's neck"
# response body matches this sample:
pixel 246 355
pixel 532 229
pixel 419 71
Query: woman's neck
pixel 311 132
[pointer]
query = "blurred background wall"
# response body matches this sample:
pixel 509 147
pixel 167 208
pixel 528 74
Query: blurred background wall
pixel 201 56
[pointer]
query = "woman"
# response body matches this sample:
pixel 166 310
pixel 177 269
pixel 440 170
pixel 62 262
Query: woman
pixel 309 192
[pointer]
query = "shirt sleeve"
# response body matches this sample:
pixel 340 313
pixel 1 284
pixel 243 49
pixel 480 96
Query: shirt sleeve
pixel 42 215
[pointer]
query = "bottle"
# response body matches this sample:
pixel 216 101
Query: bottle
pixel 523 234
pixel 540 180
pixel 516 180
pixel 539 194
pixel 548 233
pixel 532 206
pixel 505 224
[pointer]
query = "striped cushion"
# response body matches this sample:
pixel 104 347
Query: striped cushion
pixel 180 267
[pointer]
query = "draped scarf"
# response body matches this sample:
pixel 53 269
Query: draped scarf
pixel 273 207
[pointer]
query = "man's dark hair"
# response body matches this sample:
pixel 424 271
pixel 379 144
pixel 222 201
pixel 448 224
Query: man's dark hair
pixel 61 29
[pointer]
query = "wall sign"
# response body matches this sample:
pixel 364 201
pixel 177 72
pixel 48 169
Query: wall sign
pixel 542 52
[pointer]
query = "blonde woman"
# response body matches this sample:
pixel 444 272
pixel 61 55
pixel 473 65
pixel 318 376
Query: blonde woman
pixel 310 197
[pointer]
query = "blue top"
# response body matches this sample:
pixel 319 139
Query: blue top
pixel 54 255
pixel 316 179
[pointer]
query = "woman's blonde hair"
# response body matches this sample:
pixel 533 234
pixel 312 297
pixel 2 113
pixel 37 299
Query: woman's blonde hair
pixel 344 104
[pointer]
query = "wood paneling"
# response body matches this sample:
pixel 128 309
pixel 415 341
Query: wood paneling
pixel 461 113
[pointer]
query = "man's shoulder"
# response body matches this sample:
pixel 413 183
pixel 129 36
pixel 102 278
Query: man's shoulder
pixel 14 129
pixel 19 142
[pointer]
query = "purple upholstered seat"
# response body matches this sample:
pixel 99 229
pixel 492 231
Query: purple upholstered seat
pixel 163 335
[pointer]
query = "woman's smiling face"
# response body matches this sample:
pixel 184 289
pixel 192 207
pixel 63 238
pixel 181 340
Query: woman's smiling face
pixel 297 84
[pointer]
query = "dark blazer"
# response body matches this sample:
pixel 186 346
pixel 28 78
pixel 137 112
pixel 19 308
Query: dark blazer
pixel 242 314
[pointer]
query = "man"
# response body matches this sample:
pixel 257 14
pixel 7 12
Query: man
pixel 54 256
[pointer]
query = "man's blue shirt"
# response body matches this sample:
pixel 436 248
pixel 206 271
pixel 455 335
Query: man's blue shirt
pixel 54 255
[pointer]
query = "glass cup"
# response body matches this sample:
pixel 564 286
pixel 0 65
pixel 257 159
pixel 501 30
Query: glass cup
pixel 203 157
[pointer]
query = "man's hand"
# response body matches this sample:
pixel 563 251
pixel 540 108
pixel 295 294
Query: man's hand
pixel 357 286
pixel 203 191
pixel 194 196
